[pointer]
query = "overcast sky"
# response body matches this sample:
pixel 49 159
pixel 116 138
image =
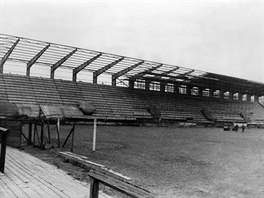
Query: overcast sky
pixel 224 37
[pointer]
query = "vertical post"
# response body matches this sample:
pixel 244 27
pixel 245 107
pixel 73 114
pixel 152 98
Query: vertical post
pixel 58 131
pixel 34 134
pixel 162 86
pixel 176 89
pixel 147 82
pixel 200 91
pixel 72 143
pixel 94 187
pixel 49 141
pixel 94 134
pixel 3 149
pixel 131 84
pixel 29 133
pixel 42 135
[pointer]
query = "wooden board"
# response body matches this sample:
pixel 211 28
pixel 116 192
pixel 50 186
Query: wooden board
pixel 29 177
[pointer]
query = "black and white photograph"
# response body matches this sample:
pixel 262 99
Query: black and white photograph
pixel 131 98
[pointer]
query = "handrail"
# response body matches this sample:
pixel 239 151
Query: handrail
pixel 3 133
pixel 122 186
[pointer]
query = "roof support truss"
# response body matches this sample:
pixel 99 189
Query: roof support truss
pixel 170 71
pixel 59 63
pixel 8 53
pixel 141 74
pixel 35 58
pixel 82 66
pixel 124 71
pixel 105 68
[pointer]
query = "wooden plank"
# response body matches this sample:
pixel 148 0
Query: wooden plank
pixel 122 186
pixel 28 170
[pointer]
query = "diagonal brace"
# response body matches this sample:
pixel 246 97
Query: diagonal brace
pixel 105 68
pixel 4 59
pixel 60 62
pixel 82 66
pixel 124 71
pixel 35 58
pixel 145 72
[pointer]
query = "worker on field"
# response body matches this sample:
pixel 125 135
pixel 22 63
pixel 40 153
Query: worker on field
pixel 243 128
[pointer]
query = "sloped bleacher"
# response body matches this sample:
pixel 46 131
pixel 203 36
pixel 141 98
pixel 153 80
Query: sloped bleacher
pixel 19 90
pixel 45 91
pixel 120 103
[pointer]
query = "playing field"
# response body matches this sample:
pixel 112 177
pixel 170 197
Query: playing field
pixel 179 162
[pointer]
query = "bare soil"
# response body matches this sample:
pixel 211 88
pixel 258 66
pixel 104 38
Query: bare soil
pixel 173 162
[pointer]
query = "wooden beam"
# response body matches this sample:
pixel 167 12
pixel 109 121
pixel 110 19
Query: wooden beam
pixel 82 66
pixel 35 58
pixel 94 188
pixel 59 63
pixel 8 53
pixel 124 71
pixel 105 68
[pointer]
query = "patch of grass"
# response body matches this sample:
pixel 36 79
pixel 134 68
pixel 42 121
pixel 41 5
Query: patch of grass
pixel 178 161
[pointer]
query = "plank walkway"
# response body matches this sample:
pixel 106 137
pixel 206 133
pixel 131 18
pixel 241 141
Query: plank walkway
pixel 29 177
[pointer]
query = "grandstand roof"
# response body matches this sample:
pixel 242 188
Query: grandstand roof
pixel 32 52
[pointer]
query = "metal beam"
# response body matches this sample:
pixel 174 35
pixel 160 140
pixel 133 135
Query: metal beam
pixel 59 63
pixel 8 53
pixel 172 70
pixel 140 74
pixel 35 58
pixel 82 66
pixel 105 68
pixel 184 74
pixel 124 71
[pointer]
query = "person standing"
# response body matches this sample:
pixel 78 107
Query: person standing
pixel 243 128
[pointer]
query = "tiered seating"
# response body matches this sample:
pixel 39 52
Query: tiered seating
pixel 120 103
pixel 253 113
pixel 91 93
pixel 137 101
pixel 19 89
pixel 69 92
pixel 45 91
pixel 222 110
pixel 174 107
pixel 116 102
pixel 3 94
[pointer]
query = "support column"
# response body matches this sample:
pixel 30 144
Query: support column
pixel 248 98
pixel 147 84
pixel 239 96
pixel 256 98
pixel 231 95
pixel 200 91
pixel 162 86
pixel 176 89
pixel 188 90
pixel 131 84
pixel 222 94
pixel 211 93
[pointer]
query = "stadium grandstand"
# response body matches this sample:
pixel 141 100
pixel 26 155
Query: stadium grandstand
pixel 37 75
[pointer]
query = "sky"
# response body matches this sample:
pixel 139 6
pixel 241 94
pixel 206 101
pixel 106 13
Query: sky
pixel 218 36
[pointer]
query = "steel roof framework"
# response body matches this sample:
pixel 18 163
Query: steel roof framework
pixel 33 52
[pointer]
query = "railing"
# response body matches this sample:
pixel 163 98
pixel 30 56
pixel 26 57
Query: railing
pixel 119 185
pixel 3 133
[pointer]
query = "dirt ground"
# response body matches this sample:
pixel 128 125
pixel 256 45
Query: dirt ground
pixel 174 162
